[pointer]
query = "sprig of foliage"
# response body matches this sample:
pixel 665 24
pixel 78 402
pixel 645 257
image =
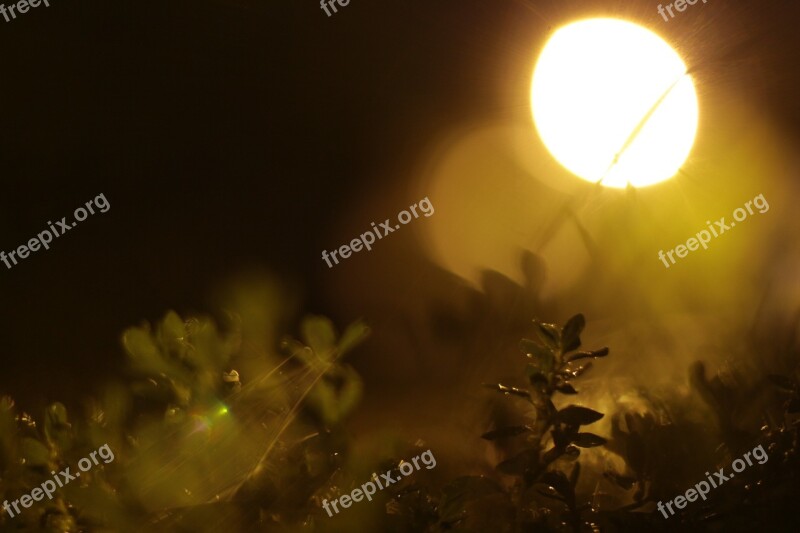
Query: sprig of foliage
pixel 552 366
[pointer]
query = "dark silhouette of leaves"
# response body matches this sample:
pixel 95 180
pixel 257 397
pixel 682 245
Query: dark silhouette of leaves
pixel 566 388
pixel 576 415
pixel 570 337
pixel 588 440
pixel 602 352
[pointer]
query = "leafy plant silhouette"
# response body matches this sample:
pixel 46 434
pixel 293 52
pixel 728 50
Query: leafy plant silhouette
pixel 553 362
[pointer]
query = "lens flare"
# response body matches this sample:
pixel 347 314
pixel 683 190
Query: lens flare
pixel 613 103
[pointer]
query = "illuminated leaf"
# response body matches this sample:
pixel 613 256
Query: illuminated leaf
pixel 549 334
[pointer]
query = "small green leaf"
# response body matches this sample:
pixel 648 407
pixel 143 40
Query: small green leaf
pixel 588 440
pixel 34 453
pixel 549 334
pixel 143 352
pixel 534 350
pixel 172 327
pixel 510 431
pixel 319 333
pixel 354 335
pixel 570 336
pixel 576 415
pixel 336 395
pixel 543 358
pixel 57 426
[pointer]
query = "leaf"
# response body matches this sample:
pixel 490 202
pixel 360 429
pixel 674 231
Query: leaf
pixel 319 334
pixel 297 349
pixel 336 395
pixel 576 415
pixel 566 388
pixel 559 482
pixel 522 393
pixel 506 432
pixel 537 352
pixel 623 481
pixel 549 334
pixel 570 336
pixel 543 357
pixel 34 453
pixel 172 327
pixel 602 352
pixel 588 440
pixel 143 352
pixel 57 426
pixel 354 335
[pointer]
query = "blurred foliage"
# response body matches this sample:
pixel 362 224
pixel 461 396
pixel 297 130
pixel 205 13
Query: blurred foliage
pixel 195 448
pixel 212 434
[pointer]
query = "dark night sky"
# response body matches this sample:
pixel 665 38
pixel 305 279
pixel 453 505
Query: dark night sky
pixel 227 134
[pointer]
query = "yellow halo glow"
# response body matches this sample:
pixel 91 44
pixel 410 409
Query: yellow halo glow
pixel 612 102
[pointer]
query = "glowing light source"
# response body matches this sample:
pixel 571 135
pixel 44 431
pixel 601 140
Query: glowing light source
pixel 612 102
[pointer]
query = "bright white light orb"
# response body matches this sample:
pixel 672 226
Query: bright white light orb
pixel 612 102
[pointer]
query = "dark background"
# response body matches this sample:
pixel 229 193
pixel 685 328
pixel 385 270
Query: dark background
pixel 235 134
